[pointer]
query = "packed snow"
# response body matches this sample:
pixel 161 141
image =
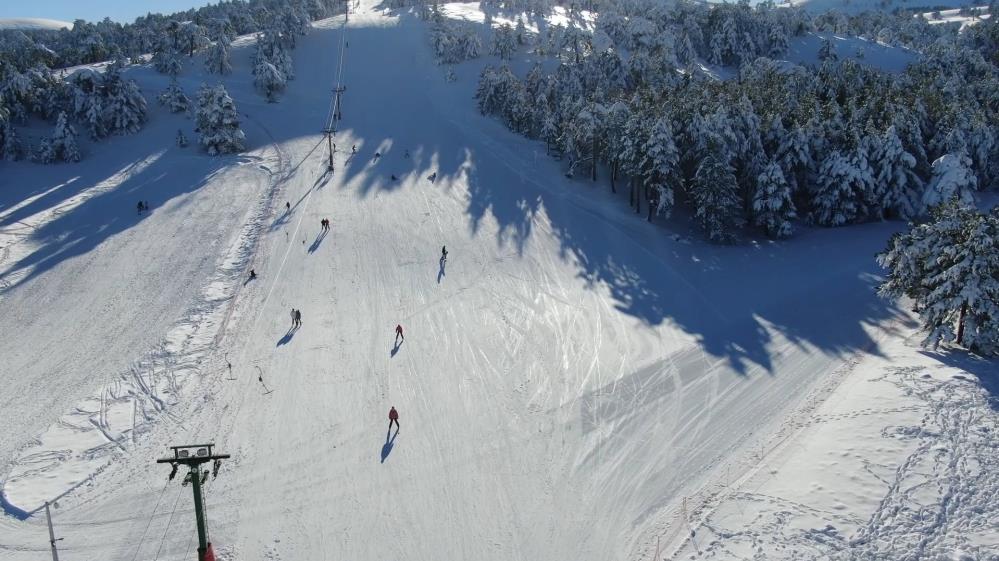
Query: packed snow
pixel 575 381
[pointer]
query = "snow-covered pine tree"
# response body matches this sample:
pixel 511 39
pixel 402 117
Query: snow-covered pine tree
pixel 174 98
pixel 894 169
pixel 93 116
pixel 795 158
pixel 950 266
pixel 952 178
pixel 839 194
pixel 469 44
pixel 715 194
pixel 167 61
pixel 61 146
pixel 192 37
pixel 504 42
pixel 124 106
pixel 685 53
pixel 520 32
pixel 217 61
pixel 661 167
pixel 268 79
pixel 773 209
pixel 218 121
pixel 10 144
pixel 827 51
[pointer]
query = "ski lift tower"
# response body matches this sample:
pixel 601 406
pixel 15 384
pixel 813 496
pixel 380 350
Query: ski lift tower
pixel 193 456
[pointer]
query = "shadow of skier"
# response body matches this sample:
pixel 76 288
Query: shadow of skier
pixel 318 241
pixel 440 273
pixel 389 443
pixel 287 337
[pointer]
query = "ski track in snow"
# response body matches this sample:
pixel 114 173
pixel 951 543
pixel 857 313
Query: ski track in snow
pixel 924 444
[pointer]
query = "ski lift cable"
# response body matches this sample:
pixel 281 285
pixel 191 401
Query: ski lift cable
pixel 150 521
pixel 334 109
pixel 169 523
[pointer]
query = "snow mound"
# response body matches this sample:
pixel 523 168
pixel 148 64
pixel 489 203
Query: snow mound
pixel 33 24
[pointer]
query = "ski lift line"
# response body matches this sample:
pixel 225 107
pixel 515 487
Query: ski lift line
pixel 256 321
pixel 169 523
pixel 150 521
pixel 339 77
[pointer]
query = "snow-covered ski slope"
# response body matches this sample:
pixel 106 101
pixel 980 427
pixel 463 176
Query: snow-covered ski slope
pixel 566 381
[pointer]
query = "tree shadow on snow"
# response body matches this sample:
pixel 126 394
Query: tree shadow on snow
pixel 732 300
pixel 812 290
pixel 105 205
pixel 986 370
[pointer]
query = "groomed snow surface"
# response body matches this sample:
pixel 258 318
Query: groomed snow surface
pixel 574 382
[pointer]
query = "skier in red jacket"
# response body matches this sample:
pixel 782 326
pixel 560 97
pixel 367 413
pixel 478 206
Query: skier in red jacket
pixel 393 418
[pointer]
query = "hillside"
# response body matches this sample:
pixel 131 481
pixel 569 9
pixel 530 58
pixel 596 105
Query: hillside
pixel 569 377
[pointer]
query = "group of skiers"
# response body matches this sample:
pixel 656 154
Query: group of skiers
pixel 296 315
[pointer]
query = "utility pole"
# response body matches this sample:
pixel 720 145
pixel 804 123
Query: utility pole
pixel 332 147
pixel 52 538
pixel 193 456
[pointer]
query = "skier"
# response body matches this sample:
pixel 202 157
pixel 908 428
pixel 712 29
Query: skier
pixel 287 206
pixel 433 177
pixel 139 206
pixel 394 178
pixel 353 149
pixel 378 155
pixel 398 334
pixel 327 224
pixel 298 318
pixel 394 418
pixel 407 152
pixel 293 318
pixel 443 253
pixel 253 274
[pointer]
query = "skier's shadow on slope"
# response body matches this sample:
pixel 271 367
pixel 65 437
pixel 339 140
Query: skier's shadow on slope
pixel 389 443
pixel 287 337
pixel 317 242
pixel 396 347
pixel 440 273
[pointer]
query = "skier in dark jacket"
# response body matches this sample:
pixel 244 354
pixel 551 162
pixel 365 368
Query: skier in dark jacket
pixel 393 418
pixel 298 318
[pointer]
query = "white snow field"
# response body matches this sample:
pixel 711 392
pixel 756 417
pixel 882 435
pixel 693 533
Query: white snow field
pixel 899 462
pixel 568 382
